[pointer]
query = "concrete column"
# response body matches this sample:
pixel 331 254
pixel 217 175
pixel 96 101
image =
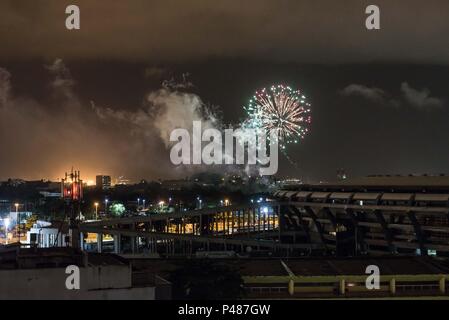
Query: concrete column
pixel 99 242
pixel 133 238
pixel 81 241
pixel 133 244
pixel 342 286
pixel 61 240
pixel 223 217
pixel 248 221
pixel 117 243
pixel 443 285
pixel 393 286
pixel 291 287
pixel 277 216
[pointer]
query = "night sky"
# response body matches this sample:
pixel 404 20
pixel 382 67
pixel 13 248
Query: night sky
pixel 92 98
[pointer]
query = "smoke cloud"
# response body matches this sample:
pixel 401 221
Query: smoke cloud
pixel 413 98
pixel 51 138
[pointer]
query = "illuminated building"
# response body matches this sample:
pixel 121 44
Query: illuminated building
pixel 46 235
pixel 122 181
pixel 103 182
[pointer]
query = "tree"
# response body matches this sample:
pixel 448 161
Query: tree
pixel 117 209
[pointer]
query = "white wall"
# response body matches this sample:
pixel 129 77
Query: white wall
pixel 106 282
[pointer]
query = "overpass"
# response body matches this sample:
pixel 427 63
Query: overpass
pixel 306 219
pixel 237 227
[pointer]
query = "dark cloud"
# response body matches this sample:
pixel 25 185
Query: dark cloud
pixel 323 31
pixel 5 86
pixel 373 94
pixel 414 98
pixel 420 99
pixel 156 72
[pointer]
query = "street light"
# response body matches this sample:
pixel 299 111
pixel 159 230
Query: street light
pixel 138 203
pixel 18 219
pixel 106 206
pixel 143 204
pixel 6 222
pixel 96 210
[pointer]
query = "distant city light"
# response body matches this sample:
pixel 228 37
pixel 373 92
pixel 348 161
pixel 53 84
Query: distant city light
pixel 90 183
pixel 265 210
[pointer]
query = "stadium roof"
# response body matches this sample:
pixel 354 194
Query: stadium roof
pixel 384 183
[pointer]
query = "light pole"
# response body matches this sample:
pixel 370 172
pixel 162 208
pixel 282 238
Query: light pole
pixel 18 219
pixel 96 210
pixel 138 203
pixel 106 206
pixel 143 204
pixel 6 223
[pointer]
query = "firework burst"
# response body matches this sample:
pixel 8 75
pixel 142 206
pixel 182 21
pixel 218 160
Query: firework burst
pixel 282 109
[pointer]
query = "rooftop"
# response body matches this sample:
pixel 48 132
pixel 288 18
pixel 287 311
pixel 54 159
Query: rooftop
pixel 11 257
pixel 312 266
